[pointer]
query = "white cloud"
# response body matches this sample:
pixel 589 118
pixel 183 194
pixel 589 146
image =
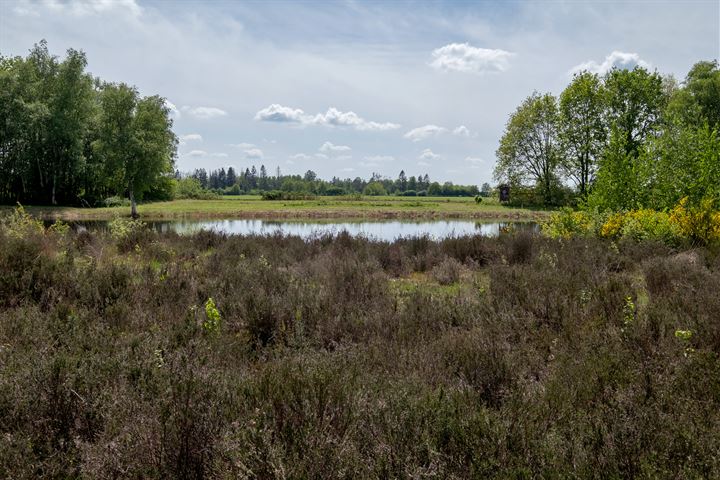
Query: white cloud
pixel 333 117
pixel 301 156
pixel 461 131
pixel 280 114
pixel 204 113
pixel 428 155
pixel 80 7
pixel 328 147
pixel 420 133
pixel 616 59
pixel 463 57
pixel 190 137
pixel 254 154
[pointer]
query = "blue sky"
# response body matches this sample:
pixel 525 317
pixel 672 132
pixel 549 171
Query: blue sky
pixel 349 88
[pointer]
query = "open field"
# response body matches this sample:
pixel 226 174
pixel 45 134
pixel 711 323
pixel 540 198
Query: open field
pixel 339 357
pixel 322 207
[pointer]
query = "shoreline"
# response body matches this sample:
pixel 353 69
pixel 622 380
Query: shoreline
pixel 324 208
pixel 73 216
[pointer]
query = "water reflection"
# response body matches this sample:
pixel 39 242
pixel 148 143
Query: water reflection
pixel 382 230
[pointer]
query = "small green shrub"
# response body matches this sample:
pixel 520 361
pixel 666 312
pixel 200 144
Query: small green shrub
pixel 282 195
pixel 116 202
pixel 123 228
pixel 212 317
pixel 19 223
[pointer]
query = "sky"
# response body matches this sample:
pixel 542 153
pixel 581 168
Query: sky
pixel 348 88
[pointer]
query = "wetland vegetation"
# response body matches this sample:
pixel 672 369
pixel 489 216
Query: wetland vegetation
pixel 130 353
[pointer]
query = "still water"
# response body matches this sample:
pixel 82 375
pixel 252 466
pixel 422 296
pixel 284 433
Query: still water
pixel 379 230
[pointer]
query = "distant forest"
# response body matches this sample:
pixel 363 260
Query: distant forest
pixel 253 181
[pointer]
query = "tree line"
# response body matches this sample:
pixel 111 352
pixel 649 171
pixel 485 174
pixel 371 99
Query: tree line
pixel 254 181
pixel 70 138
pixel 625 140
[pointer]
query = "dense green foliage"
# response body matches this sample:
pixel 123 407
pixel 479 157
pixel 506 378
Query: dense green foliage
pixel 67 138
pixel 145 355
pixel 529 150
pixel 628 140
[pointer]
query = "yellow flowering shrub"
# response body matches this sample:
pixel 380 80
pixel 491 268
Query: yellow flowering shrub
pixel 567 223
pixel 700 224
pixel 649 224
pixel 612 227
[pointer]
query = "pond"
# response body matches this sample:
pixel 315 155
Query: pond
pixel 379 230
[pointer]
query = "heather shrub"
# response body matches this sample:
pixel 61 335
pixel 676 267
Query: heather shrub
pixel 447 271
pixel 220 356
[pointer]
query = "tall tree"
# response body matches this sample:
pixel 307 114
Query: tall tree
pixel 402 181
pixel 698 101
pixel 136 140
pixel 529 148
pixel 230 177
pixel 635 102
pixel 263 180
pixel 582 129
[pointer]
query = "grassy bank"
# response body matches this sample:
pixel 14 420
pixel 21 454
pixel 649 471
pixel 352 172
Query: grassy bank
pixel 514 357
pixel 322 207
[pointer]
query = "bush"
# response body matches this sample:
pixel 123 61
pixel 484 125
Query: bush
pixel 447 272
pixel 697 225
pixel 334 191
pixel 116 202
pixel 568 223
pixel 374 189
pixel 282 195
pixel 191 188
pixel 701 223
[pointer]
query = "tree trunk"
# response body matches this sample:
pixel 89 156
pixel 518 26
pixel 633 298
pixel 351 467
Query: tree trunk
pixel 54 202
pixel 133 205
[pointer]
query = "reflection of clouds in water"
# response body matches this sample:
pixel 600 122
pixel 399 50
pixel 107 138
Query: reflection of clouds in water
pixel 386 231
